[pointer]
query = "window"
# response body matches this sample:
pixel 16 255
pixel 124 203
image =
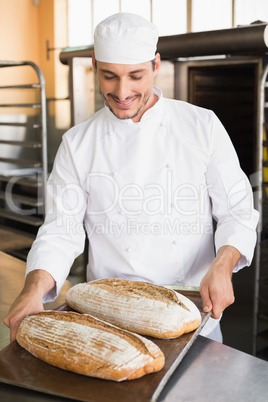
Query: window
pixel 248 11
pixel 208 15
pixel 103 9
pixel 170 16
pixel 141 7
pixel 80 23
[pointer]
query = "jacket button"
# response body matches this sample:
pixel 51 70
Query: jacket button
pixel 128 249
pixel 110 132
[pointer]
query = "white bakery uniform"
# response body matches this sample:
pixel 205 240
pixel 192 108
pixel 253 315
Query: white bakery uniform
pixel 145 193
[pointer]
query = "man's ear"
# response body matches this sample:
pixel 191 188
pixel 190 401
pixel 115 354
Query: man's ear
pixel 157 63
pixel 94 62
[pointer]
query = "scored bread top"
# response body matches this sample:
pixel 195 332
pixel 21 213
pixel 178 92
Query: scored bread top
pixel 140 307
pixel 151 291
pixel 93 323
pixel 138 289
pixel 86 345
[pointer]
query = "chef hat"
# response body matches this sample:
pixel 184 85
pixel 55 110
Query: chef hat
pixel 125 38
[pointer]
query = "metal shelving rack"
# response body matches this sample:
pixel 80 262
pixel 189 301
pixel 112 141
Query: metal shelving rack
pixel 260 317
pixel 25 186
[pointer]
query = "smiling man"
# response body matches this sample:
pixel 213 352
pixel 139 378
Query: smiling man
pixel 125 47
pixel 144 177
pixel 127 89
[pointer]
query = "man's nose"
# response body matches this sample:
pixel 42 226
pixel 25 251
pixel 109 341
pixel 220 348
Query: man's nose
pixel 122 90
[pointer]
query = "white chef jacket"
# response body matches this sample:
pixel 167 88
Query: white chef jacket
pixel 145 193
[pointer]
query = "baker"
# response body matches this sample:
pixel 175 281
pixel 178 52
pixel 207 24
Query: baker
pixel 145 178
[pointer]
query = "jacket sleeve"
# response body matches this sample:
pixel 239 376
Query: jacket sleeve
pixel 61 238
pixel 231 197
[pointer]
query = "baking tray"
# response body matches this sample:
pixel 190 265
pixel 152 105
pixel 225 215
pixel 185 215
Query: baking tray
pixel 19 368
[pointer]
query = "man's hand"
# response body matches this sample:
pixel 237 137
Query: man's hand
pixel 216 287
pixel 24 305
pixel 30 301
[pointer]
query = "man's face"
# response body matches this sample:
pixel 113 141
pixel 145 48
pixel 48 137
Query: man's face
pixel 127 89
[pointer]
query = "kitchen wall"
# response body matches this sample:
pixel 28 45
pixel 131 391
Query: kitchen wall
pixel 36 30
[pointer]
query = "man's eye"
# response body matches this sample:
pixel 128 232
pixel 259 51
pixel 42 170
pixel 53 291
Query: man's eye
pixel 106 77
pixel 136 78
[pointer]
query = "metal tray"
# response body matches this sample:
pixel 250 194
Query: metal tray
pixel 19 368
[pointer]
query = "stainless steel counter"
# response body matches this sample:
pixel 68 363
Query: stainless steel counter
pixel 209 372
pixel 212 372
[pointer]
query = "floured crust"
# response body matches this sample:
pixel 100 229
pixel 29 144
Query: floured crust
pixel 140 307
pixel 86 345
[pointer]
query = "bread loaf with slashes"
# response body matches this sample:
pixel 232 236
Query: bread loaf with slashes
pixel 140 307
pixel 86 345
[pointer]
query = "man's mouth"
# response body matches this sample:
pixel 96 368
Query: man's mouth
pixel 123 104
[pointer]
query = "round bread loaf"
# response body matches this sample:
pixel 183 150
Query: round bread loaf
pixel 140 307
pixel 86 345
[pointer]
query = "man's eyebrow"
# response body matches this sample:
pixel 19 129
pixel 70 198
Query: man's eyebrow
pixel 141 70
pixel 104 71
